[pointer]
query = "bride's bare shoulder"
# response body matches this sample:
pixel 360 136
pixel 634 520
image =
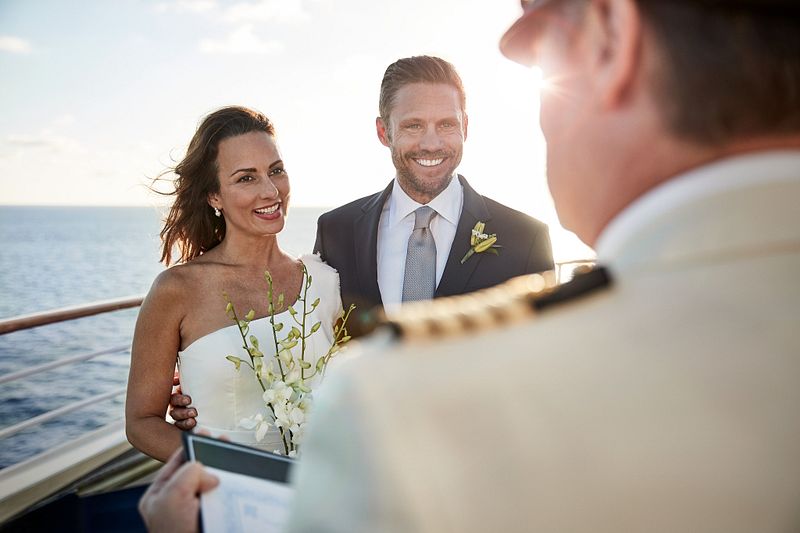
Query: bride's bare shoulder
pixel 181 280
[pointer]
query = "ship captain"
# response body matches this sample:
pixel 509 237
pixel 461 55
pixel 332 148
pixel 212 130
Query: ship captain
pixel 658 393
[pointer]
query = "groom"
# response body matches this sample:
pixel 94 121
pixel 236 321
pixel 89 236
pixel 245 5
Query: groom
pixel 407 242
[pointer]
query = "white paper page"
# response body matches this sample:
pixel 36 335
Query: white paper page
pixel 242 504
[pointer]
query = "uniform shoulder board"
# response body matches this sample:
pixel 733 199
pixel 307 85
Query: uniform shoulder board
pixel 508 303
pixel 513 301
pixel 583 283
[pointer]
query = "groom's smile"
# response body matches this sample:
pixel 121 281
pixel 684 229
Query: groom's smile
pixel 425 133
pixel 429 162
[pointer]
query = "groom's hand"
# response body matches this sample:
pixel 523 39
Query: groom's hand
pixel 179 409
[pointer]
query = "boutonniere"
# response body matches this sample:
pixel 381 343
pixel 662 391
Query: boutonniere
pixel 480 242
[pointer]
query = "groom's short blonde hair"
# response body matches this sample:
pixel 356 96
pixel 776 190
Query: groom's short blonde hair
pixel 417 69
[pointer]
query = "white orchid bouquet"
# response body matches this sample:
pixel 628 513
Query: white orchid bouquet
pixel 287 377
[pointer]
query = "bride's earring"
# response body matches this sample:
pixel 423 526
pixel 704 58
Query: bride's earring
pixel 217 212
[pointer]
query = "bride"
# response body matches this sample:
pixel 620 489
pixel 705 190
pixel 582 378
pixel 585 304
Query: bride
pixel 231 199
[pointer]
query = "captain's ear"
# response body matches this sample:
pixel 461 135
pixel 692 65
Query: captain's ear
pixel 381 128
pixel 614 37
pixel 466 124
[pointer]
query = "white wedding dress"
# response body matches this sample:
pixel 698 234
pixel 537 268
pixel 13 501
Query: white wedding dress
pixel 224 396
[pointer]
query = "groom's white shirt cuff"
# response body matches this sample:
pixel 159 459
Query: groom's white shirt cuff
pixel 395 227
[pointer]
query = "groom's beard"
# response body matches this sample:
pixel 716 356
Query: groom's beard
pixel 412 176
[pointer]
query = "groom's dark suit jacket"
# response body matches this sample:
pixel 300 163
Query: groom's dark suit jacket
pixel 347 239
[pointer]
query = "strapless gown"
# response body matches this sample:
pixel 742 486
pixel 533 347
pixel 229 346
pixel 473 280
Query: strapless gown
pixel 224 396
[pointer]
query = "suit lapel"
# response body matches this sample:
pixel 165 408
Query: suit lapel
pixel 365 231
pixel 455 276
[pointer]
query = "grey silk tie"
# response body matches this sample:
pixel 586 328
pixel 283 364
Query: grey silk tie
pixel 420 277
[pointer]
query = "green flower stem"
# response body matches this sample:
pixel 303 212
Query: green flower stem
pixel 246 347
pixel 337 340
pixel 286 447
pixel 467 255
pixel 243 334
pixel 270 295
pixel 306 284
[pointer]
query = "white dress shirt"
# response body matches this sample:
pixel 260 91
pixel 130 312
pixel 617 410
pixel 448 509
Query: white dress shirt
pixel 395 228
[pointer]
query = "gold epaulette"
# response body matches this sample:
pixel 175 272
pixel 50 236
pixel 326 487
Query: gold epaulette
pixel 508 303
pixel 481 310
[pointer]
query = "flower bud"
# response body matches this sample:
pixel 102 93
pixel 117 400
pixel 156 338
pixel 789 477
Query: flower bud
pixel 235 360
pixel 485 245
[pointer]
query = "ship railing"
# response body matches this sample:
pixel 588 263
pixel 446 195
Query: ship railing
pixel 64 314
pixel 103 454
pixel 33 320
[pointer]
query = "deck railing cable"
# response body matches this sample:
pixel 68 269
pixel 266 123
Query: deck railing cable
pixel 33 320
pixel 60 362
pixel 55 413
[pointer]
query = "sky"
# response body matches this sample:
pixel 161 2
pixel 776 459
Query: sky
pixel 97 97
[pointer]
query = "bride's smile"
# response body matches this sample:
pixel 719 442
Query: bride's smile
pixel 269 213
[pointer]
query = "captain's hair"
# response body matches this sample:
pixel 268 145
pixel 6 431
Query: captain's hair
pixel 729 71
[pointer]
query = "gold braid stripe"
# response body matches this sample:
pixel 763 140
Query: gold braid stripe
pixel 504 304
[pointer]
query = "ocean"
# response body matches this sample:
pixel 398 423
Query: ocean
pixel 53 257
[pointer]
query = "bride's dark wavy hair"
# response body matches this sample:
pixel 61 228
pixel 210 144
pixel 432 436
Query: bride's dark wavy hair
pixel 190 224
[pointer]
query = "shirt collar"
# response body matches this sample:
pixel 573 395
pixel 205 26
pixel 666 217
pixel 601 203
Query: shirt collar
pixel 447 203
pixel 693 186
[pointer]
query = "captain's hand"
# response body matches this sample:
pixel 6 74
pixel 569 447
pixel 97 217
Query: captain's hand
pixel 172 502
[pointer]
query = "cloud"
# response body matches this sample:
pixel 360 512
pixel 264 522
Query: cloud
pixel 241 18
pixel 50 139
pixel 240 12
pixel 266 11
pixel 242 40
pixel 15 45
pixel 27 141
pixel 186 6
pixel 45 141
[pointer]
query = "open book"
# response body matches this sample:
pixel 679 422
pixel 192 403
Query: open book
pixel 253 493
